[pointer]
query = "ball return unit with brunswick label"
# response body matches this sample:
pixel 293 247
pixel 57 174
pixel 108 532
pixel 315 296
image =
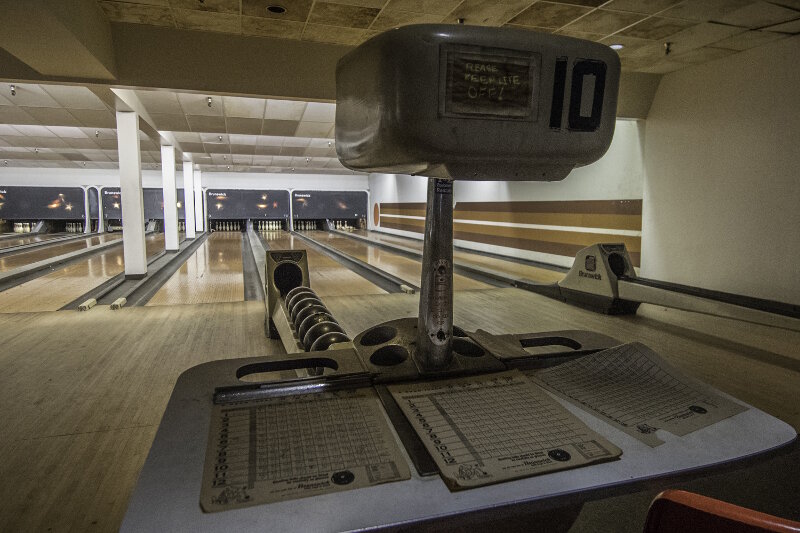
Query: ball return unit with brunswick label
pixel 330 444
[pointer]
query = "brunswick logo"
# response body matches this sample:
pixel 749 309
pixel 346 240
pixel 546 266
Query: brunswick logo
pixel 590 263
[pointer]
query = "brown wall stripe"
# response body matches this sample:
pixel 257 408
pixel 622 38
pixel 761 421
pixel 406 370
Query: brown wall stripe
pixel 605 207
pixel 546 241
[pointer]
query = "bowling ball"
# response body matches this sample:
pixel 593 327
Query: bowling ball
pixel 295 293
pixel 324 341
pixel 318 330
pixel 311 320
pixel 310 310
pixel 302 304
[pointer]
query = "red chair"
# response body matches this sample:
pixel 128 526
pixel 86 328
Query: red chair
pixel 675 511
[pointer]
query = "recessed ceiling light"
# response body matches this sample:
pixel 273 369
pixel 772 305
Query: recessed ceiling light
pixel 617 46
pixel 276 9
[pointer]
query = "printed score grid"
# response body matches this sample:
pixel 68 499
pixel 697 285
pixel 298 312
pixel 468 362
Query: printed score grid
pixel 637 391
pixel 275 449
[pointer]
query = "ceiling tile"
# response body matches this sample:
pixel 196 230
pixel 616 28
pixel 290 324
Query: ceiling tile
pixel 629 43
pixel 701 35
pixel 15 115
pixel 93 118
pixel 264 160
pixel 393 19
pixel 319 112
pixel 240 159
pixel 247 126
pixel 704 10
pixel 588 3
pixel 702 55
pixel 295 10
pixel 748 39
pixel 332 34
pixel 197 104
pixel 268 150
pixel 101 133
pixel 66 132
pixel 188 19
pixel 165 122
pixel 51 116
pixel 107 144
pixel 137 14
pixel 34 130
pixel 7 130
pixel 648 7
pixel 296 142
pixel 214 138
pixel 759 15
pixel 163 102
pixel 605 22
pixel 80 143
pixel 244 149
pixel 23 141
pixel 434 7
pixel 279 127
pixel 206 124
pixel 284 110
pixel 292 151
pixel 235 106
pixel 270 140
pixel 316 152
pixel 250 140
pixel 219 6
pixel 482 13
pixel 569 32
pixel 281 161
pixel 792 27
pixel 32 95
pixel 313 129
pixel 342 15
pixel 549 15
pixel 663 67
pixel 282 29
pixel 74 97
pixel 187 136
pixel 216 148
pixel 657 28
pixel 192 147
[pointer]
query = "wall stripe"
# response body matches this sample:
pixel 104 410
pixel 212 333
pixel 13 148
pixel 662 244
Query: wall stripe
pixel 565 227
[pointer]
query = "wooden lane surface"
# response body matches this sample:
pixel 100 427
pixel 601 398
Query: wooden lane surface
pixel 48 252
pixel 512 268
pixel 28 239
pixel 81 394
pixel 403 267
pixel 328 278
pixel 212 274
pixel 53 291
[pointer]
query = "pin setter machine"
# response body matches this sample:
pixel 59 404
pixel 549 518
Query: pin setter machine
pixel 415 420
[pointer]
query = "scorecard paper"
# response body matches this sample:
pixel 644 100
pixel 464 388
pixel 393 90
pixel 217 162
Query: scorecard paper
pixel 634 389
pixel 487 429
pixel 274 449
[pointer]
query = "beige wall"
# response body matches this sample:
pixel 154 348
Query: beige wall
pixel 722 175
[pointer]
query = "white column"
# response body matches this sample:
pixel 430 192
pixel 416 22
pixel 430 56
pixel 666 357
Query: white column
pixel 205 209
pixel 199 221
pixel 188 198
pixel 130 181
pixel 87 216
pixel 101 223
pixel 170 198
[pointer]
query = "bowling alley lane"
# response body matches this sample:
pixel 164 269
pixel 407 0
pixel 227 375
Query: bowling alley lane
pixel 27 239
pixel 404 268
pixel 48 252
pixel 512 268
pixel 328 277
pixel 212 274
pixel 53 291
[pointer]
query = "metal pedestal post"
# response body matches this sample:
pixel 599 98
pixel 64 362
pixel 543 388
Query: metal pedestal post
pixel 435 322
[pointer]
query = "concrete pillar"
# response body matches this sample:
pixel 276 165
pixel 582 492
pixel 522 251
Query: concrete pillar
pixel 170 198
pixel 205 209
pixel 188 198
pixel 87 216
pixel 101 223
pixel 130 181
pixel 200 223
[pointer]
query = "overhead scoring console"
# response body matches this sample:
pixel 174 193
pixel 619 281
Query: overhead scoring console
pixel 470 103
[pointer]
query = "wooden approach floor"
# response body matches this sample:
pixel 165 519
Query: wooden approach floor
pixel 512 268
pixel 403 267
pixel 328 278
pixel 81 394
pixel 53 291
pixel 212 274
pixel 47 252
pixel 28 239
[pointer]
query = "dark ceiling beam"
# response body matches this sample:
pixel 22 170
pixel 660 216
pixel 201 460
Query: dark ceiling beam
pixel 59 39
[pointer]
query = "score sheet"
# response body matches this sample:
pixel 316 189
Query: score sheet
pixel 274 449
pixel 634 389
pixel 491 428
